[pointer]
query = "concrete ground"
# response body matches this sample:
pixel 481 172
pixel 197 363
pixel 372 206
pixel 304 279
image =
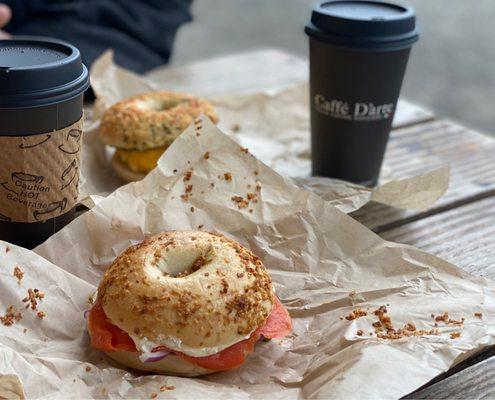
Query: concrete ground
pixel 451 70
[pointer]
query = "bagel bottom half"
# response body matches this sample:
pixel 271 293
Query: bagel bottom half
pixel 124 172
pixel 170 365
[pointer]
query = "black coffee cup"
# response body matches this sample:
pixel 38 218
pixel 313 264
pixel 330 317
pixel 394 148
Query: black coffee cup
pixel 358 56
pixel 42 82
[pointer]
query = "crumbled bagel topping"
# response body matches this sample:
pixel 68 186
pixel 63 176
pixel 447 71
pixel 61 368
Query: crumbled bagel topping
pixel 242 202
pixel 18 273
pixel 11 316
pixel 33 295
pixel 187 176
pixel 355 314
pixel 385 329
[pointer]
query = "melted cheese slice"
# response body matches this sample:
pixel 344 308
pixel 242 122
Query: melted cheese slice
pixel 140 161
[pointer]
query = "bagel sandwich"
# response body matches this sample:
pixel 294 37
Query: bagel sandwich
pixel 185 303
pixel 142 127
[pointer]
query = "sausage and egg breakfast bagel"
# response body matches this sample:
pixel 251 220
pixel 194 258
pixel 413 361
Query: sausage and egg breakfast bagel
pixel 185 303
pixel 142 127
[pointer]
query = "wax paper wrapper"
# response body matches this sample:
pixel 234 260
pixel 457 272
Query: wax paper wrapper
pixel 324 264
pixel 273 124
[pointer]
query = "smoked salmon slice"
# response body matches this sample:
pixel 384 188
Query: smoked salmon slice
pixel 278 324
pixel 108 337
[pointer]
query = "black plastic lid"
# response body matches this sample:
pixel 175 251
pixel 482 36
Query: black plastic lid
pixel 364 24
pixel 37 71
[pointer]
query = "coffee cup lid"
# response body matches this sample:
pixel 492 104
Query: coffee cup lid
pixel 37 71
pixel 364 24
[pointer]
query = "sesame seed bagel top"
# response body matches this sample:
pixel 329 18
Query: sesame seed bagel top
pixel 192 291
pixel 151 120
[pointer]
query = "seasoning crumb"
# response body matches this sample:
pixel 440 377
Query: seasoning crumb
pixel 200 226
pixel 256 172
pixel 449 321
pixel 212 184
pixel 155 395
pixel 444 317
pixel 24 330
pixel 167 387
pixel 41 314
pixel 206 156
pixel 187 176
pixel 478 315
pixel 32 298
pixel 356 314
pixel 236 128
pixel 7 249
pixel 359 332
pixel 455 335
pixel 175 171
pixel 88 368
pixel 227 176
pixel 245 150
pixel 18 273
pixel 192 209
pixel 11 316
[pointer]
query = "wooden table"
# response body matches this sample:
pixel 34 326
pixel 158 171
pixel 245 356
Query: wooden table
pixel 459 228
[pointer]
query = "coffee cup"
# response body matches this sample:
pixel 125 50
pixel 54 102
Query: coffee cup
pixel 42 82
pixel 358 57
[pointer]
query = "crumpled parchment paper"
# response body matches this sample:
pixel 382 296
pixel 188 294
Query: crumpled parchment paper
pixel 274 125
pixel 324 265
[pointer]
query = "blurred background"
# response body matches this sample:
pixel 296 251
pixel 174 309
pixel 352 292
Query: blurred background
pixel 451 69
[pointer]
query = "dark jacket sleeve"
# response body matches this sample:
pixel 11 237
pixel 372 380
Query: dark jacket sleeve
pixel 141 32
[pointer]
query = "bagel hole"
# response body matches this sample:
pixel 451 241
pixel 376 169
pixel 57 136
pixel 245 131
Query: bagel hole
pixel 179 264
pixel 158 105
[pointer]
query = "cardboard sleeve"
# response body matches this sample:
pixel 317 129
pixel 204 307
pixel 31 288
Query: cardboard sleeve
pixel 39 174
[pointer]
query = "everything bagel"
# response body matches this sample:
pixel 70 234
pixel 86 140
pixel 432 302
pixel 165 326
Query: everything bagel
pixel 199 295
pixel 143 126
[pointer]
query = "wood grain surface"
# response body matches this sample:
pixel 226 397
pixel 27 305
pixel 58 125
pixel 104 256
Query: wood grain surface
pixel 474 380
pixel 463 235
pixel 424 146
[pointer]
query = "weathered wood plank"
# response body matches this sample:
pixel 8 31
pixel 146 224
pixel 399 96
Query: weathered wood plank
pixel 473 382
pixel 422 147
pixel 464 236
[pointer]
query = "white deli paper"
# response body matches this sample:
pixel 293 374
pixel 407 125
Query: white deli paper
pixel 324 265
pixel 274 125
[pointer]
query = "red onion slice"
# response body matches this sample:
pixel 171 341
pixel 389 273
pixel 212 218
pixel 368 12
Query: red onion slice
pixel 154 356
